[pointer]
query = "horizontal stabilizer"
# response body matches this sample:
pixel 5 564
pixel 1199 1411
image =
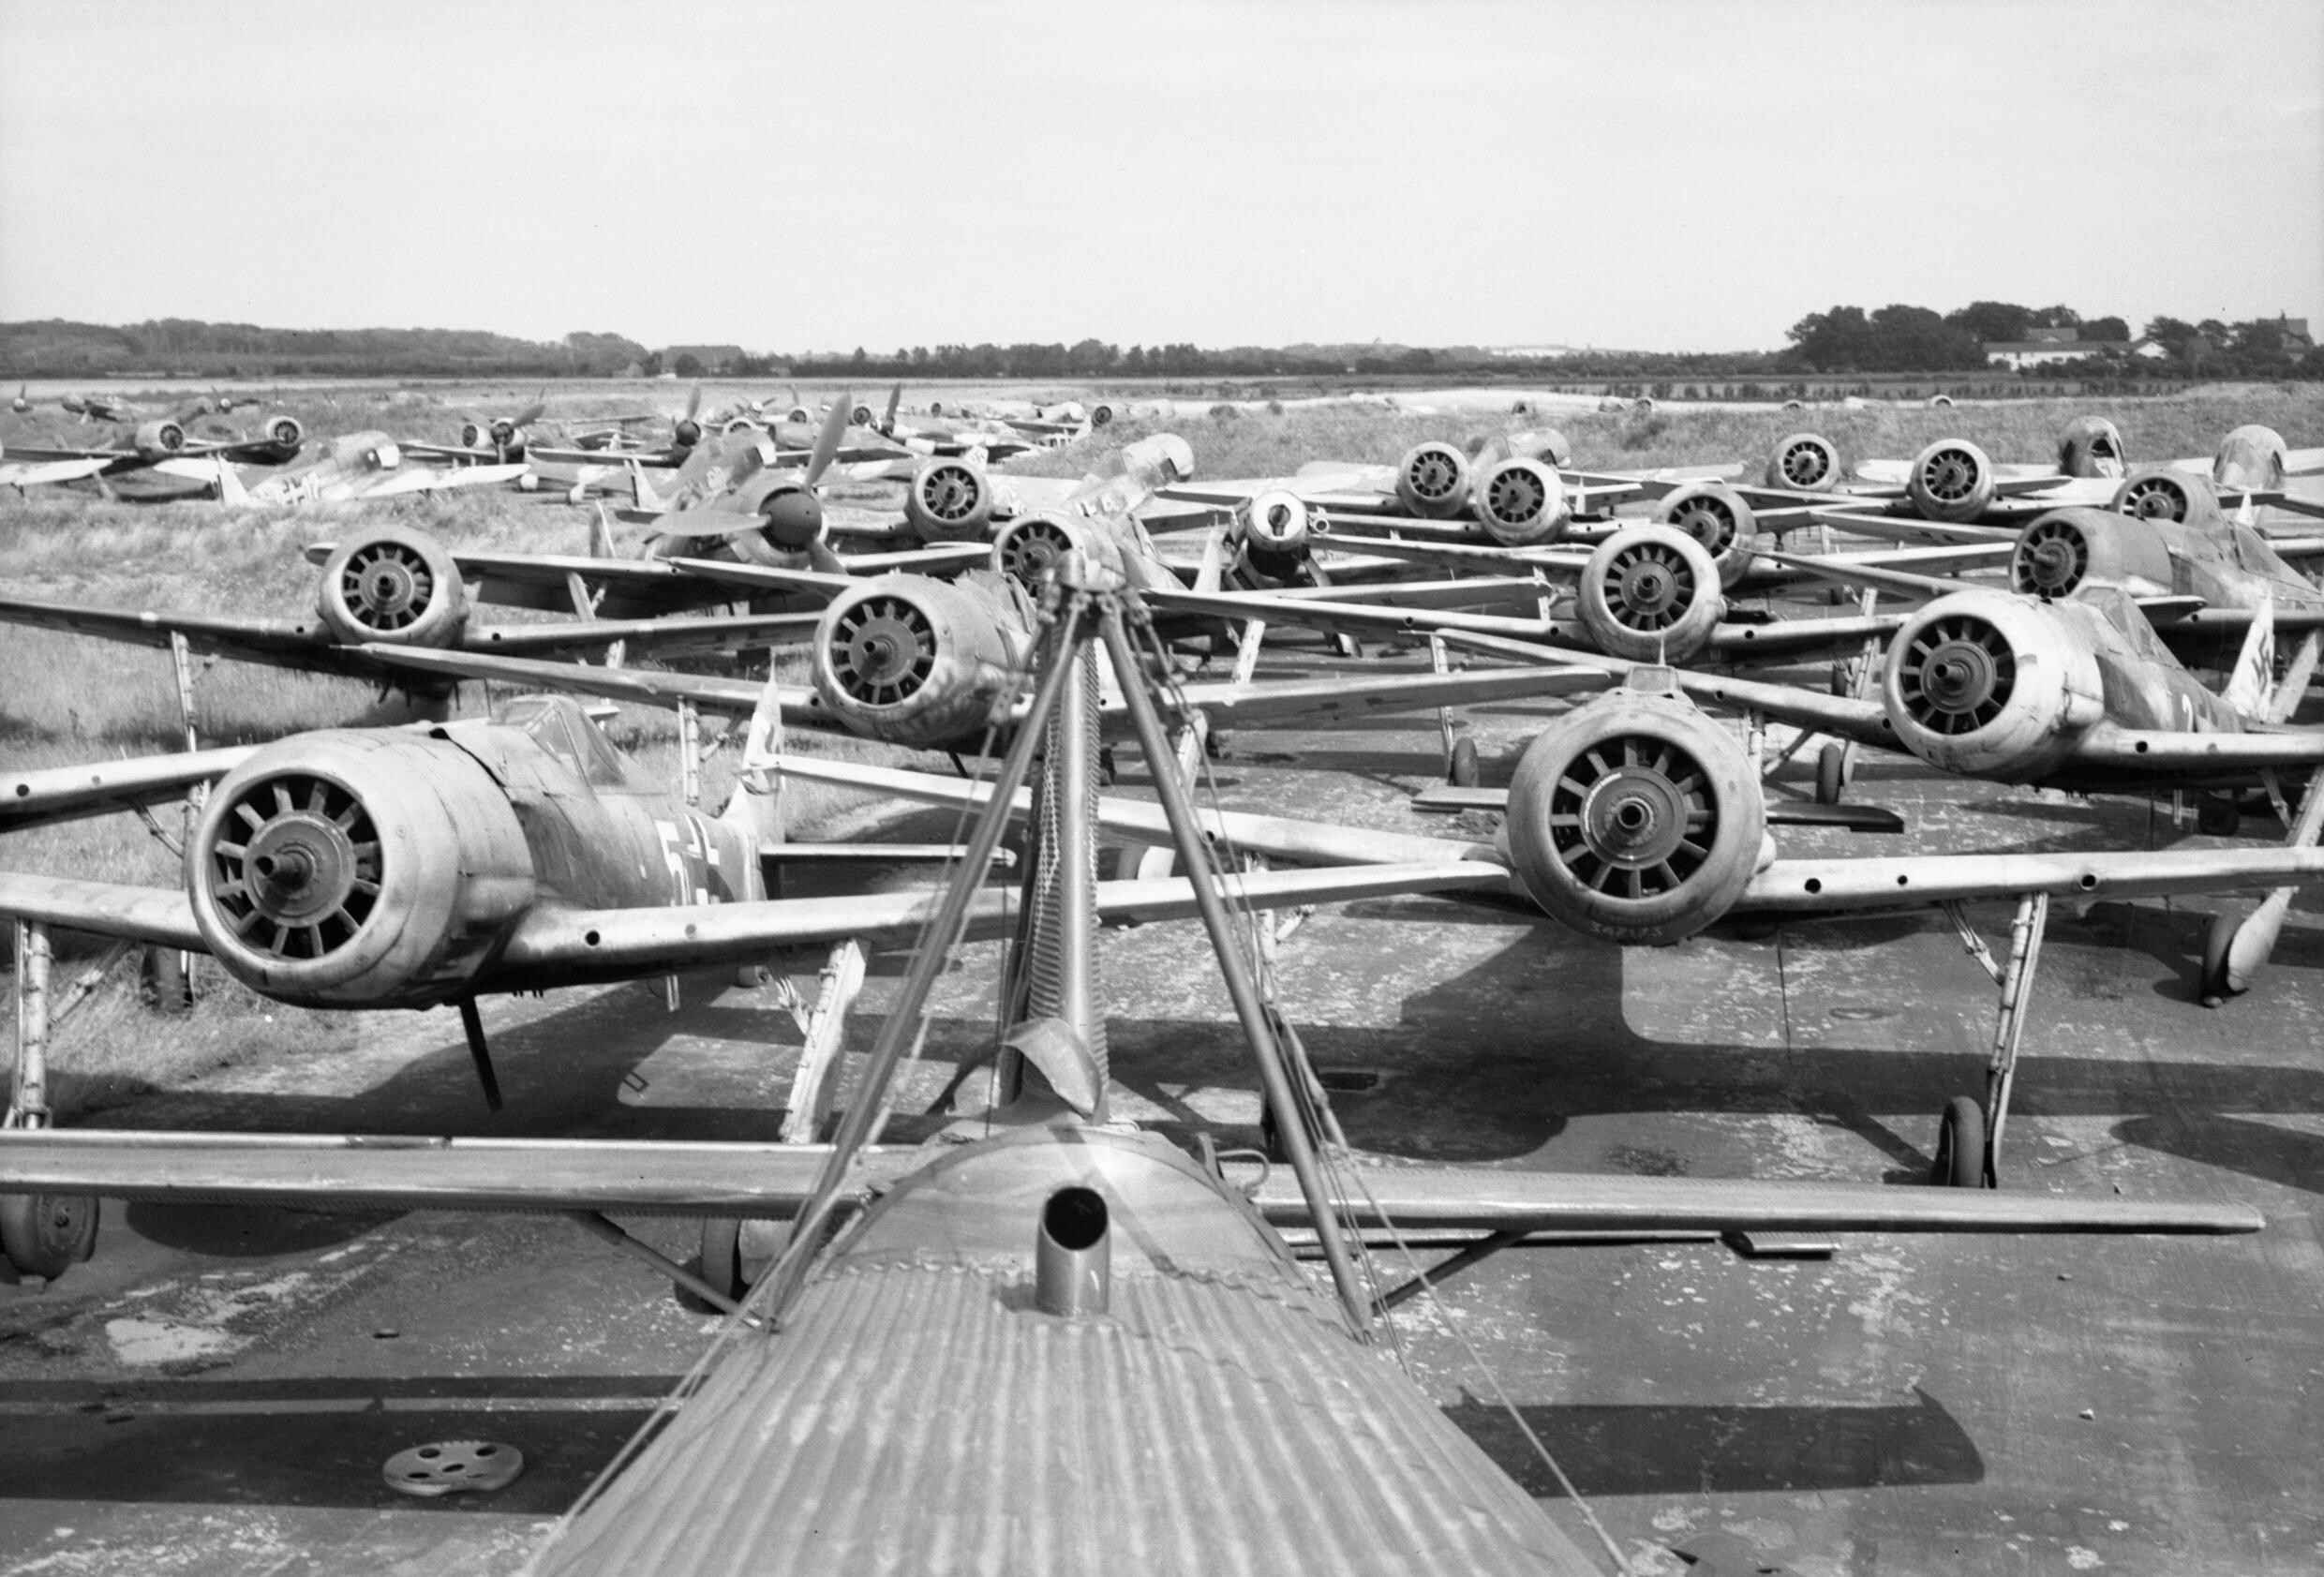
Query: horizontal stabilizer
pixel 773 1180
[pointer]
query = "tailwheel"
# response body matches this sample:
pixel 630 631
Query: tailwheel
pixel 2211 988
pixel 46 1234
pixel 1961 1146
pixel 1834 768
pixel 1463 772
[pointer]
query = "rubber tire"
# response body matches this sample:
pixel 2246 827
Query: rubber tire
pixel 46 1234
pixel 2218 815
pixel 1960 1145
pixel 162 980
pixel 2210 987
pixel 1464 772
pixel 720 1265
pixel 1831 773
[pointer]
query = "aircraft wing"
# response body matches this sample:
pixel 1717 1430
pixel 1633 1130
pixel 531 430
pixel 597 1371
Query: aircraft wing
pixel 434 479
pixel 1895 527
pixel 162 916
pixel 365 1172
pixel 644 688
pixel 553 946
pixel 42 473
pixel 2155 754
pixel 1820 887
pixel 257 639
pixel 1466 555
pixel 647 634
pixel 1325 613
pixel 58 793
pixel 1229 702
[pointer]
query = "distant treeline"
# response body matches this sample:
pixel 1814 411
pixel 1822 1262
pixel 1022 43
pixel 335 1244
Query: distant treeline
pixel 55 347
pixel 1901 338
pixel 1846 340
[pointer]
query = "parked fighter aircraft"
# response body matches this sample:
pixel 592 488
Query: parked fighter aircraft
pixel 1952 482
pixel 1518 490
pixel 398 587
pixel 1000 1251
pixel 1636 819
pixel 359 466
pixel 162 439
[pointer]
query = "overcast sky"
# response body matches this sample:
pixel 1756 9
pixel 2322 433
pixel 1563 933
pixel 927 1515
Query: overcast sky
pixel 1662 174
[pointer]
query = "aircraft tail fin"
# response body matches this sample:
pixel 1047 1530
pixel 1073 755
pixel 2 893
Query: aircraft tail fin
pixel 641 491
pixel 756 804
pixel 2251 684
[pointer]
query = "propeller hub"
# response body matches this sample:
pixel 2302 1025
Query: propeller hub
pixel 301 867
pixel 1648 587
pixel 881 650
pixel 1636 816
pixel 1959 677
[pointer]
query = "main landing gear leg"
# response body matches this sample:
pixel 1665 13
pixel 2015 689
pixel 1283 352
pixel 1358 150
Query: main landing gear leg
pixel 42 1234
pixel 1969 1135
pixel 2234 951
pixel 728 1260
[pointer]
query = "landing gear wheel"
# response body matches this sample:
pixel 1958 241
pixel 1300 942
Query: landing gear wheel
pixel 1464 769
pixel 162 979
pixel 46 1234
pixel 1960 1145
pixel 720 1264
pixel 1832 773
pixel 2213 986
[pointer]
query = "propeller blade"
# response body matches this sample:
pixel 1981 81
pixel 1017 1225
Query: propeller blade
pixel 888 422
pixel 694 402
pixel 828 441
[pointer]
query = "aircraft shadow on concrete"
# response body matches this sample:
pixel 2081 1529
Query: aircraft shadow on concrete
pixel 1486 1065
pixel 1723 1449
pixel 318 1443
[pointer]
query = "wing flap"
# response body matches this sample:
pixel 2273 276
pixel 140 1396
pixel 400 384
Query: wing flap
pixel 731 697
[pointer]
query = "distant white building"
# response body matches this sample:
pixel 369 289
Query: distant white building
pixel 2048 346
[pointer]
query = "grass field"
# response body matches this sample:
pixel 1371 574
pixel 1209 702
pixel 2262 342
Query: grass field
pixel 68 699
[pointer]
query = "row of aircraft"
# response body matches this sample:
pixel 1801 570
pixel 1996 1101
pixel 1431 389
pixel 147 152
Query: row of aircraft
pixel 2053 627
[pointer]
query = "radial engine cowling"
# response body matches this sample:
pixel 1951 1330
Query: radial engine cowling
pixel 1803 463
pixel 358 868
pixel 1432 481
pixel 1984 684
pixel 1651 594
pixel 475 435
pixel 1951 480
pixel 2250 456
pixel 2092 446
pixel 160 439
pixel 949 501
pixel 1636 819
pixel 1521 503
pixel 394 586
pixel 921 662
pixel 2160 493
pixel 1719 518
pixel 1275 528
pixel 1027 549
pixel 286 431
pixel 2068 547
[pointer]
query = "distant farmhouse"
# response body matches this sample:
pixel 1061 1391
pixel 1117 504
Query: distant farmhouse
pixel 2047 346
